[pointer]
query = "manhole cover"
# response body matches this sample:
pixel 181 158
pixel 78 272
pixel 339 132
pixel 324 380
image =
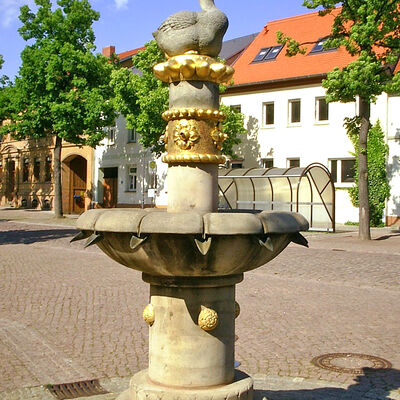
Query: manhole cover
pixel 350 363
pixel 76 389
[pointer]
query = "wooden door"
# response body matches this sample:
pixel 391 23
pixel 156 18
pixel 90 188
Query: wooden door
pixel 78 168
pixel 110 187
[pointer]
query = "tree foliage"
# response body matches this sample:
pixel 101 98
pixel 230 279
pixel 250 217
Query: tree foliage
pixel 378 186
pixel 369 31
pixel 5 94
pixel 142 98
pixel 63 88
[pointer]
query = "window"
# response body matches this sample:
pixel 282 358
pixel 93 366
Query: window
pixel 321 109
pixel 132 136
pixel 273 53
pixel 319 46
pixel 268 53
pixel 293 162
pixel 47 169
pixel 36 169
pixel 343 170
pixel 111 135
pixel 268 162
pixel 132 178
pixel 237 163
pixel 294 111
pixel 25 170
pixel 261 54
pixel 269 113
pixel 237 108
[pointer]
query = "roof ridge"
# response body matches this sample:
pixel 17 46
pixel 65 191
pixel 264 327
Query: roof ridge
pixel 296 17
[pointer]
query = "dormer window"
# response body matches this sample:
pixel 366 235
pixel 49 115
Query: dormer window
pixel 319 46
pixel 268 53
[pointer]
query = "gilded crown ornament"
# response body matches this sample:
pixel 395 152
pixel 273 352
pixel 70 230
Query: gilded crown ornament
pixel 193 67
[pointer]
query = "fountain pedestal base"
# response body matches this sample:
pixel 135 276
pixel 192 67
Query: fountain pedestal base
pixel 141 388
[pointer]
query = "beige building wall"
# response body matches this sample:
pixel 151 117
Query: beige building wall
pixel 26 174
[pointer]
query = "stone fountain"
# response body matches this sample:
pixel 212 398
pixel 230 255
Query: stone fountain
pixel 191 255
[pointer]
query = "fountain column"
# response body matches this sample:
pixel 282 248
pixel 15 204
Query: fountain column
pixel 192 318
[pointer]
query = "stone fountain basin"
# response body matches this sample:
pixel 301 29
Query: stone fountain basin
pixel 163 243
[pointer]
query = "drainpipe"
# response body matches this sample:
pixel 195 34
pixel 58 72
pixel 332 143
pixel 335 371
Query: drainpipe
pixel 143 175
pixel 387 156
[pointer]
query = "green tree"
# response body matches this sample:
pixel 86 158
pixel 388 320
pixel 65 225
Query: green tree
pixel 63 88
pixel 6 88
pixel 142 98
pixel 378 186
pixel 369 31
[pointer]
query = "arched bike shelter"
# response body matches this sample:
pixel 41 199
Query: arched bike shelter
pixel 309 191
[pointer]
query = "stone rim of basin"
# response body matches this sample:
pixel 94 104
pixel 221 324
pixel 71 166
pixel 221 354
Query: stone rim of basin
pixel 149 221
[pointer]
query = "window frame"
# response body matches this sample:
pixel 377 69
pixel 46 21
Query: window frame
pixel 265 160
pixel 289 161
pixel 132 132
pixel 132 174
pixel 47 169
pixel 265 105
pixel 36 169
pixel 236 108
pixel 25 170
pixel 236 162
pixel 317 110
pixel 274 50
pixel 290 112
pixel 320 44
pixel 339 182
pixel 111 137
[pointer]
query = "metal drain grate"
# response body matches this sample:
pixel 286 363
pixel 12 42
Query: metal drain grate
pixel 76 389
pixel 350 363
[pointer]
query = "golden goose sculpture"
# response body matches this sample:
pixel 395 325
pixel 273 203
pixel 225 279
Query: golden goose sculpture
pixel 200 32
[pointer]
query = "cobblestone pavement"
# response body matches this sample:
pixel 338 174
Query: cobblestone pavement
pixel 68 314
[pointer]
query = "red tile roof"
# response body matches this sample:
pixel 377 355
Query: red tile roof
pixel 129 53
pixel 304 28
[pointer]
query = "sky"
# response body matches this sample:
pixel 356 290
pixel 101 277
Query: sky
pixel 128 24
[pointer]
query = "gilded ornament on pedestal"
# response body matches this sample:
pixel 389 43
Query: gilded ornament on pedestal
pixel 197 113
pixel 186 134
pixel 218 137
pixel 164 138
pixel 208 319
pixel 193 67
pixel 194 158
pixel 148 315
pixel 237 309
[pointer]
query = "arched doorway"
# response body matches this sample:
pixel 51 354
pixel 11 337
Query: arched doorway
pixel 74 184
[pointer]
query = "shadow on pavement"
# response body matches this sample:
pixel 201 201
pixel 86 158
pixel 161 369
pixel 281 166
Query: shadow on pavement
pixel 23 236
pixel 385 237
pixel 373 385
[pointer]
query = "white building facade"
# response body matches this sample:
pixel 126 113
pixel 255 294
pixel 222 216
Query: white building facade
pixel 126 175
pixel 281 137
pixel 288 119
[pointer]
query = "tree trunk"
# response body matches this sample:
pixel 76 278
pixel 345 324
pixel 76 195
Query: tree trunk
pixel 58 211
pixel 364 232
